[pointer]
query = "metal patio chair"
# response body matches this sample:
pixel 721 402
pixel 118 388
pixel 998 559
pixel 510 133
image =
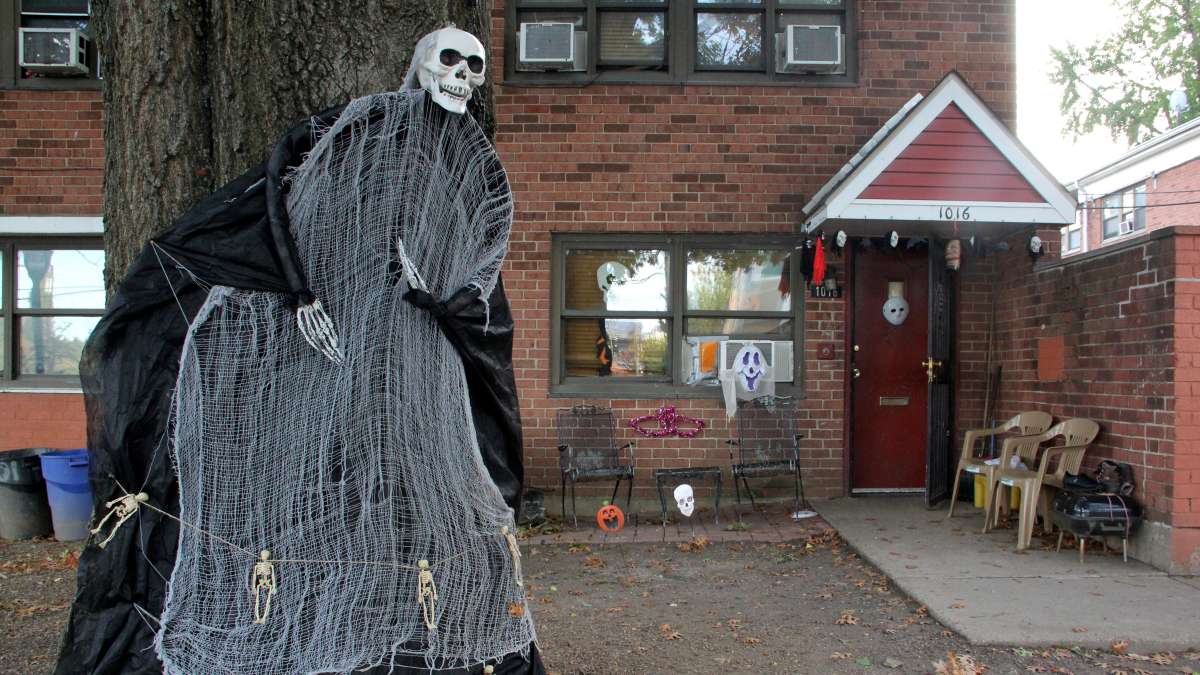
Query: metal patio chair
pixel 766 445
pixel 588 452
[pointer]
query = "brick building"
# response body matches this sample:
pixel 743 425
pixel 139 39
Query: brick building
pixel 51 175
pixel 1153 186
pixel 666 171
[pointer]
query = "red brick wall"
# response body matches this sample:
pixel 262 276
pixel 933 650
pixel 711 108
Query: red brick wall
pixel 716 159
pixel 1175 185
pixel 37 420
pixel 1129 318
pixel 51 153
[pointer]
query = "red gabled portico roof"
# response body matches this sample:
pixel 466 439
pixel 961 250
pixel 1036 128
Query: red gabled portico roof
pixel 943 157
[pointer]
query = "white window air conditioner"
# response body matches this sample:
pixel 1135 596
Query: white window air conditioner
pixel 1127 225
pixel 53 51
pixel 548 45
pixel 778 353
pixel 812 48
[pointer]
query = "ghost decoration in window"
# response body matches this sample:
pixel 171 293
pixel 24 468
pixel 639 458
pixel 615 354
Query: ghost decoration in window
pixel 895 308
pixel 750 366
pixel 609 274
pixel 749 375
pixel 685 499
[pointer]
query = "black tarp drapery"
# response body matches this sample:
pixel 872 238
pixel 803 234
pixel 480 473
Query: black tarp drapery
pixel 239 237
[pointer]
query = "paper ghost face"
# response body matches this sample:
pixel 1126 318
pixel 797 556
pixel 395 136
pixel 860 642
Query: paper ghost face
pixel 895 310
pixel 451 67
pixel 749 364
pixel 686 500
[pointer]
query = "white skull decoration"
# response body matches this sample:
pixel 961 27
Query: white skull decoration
pixel 895 310
pixel 685 499
pixel 450 64
pixel 749 364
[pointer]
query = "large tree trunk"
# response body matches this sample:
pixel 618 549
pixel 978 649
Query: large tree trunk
pixel 198 91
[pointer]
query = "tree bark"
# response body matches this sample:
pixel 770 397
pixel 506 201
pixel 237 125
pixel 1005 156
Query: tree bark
pixel 198 91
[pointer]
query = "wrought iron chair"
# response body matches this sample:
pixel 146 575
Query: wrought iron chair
pixel 588 452
pixel 766 445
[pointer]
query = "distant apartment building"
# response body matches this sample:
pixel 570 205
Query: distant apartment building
pixel 1154 185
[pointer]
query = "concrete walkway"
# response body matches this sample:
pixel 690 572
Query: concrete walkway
pixel 980 586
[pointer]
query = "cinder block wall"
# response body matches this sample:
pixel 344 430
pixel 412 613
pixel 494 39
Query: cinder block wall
pixel 51 164
pixel 1129 320
pixel 716 159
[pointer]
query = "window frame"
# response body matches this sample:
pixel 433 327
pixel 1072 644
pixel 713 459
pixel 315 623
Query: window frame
pixel 10 377
pixel 676 246
pixel 10 72
pixel 1127 205
pixel 680 67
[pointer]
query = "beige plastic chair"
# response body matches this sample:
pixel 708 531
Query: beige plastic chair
pixel 1025 424
pixel 1076 433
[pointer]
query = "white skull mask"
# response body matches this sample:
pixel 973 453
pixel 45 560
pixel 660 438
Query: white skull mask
pixel 450 64
pixel 895 310
pixel 750 364
pixel 685 499
pixel 611 273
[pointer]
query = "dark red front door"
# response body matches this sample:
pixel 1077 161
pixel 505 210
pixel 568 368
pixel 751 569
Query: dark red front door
pixel 889 422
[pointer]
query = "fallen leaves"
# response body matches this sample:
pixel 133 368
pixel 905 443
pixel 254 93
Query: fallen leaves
pixel 958 664
pixel 840 656
pixel 1079 629
pixel 516 610
pixel 1119 647
pixel 847 618
pixel 664 629
pixel 957 605
pixel 69 560
pixel 595 562
pixel 579 548
pixel 752 641
pixel 694 545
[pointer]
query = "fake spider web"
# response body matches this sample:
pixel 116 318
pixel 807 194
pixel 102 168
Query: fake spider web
pixel 349 474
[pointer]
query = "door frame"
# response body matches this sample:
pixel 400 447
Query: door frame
pixel 950 370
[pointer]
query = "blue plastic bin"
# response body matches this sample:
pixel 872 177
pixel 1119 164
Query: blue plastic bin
pixel 70 495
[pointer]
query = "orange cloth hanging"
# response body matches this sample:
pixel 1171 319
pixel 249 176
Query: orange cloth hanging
pixel 819 262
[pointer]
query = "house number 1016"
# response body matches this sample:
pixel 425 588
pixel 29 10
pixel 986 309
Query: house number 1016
pixel 954 212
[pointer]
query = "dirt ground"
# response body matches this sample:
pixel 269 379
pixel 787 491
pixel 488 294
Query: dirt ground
pixel 806 606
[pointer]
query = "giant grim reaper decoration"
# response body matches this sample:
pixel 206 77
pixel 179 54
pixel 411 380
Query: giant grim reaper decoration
pixel 301 400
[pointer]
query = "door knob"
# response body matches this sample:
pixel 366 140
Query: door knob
pixel 931 365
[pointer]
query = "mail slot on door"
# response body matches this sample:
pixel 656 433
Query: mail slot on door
pixel 893 401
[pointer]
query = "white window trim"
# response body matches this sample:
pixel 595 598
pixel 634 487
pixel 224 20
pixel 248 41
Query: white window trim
pixel 39 225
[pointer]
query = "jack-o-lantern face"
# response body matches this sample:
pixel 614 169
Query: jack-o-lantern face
pixel 610 518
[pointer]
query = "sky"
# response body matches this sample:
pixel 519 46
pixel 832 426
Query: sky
pixel 1042 24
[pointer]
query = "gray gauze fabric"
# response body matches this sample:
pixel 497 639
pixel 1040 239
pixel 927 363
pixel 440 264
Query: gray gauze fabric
pixel 349 474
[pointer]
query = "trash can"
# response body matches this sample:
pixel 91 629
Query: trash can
pixel 70 496
pixel 24 511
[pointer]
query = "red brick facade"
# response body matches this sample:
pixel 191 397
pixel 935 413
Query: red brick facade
pixel 1124 316
pixel 51 164
pixel 717 159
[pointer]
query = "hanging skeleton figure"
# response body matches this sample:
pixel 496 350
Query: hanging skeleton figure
pixel 326 369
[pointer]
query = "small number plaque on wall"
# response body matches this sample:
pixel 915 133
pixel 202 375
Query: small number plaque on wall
pixel 821 291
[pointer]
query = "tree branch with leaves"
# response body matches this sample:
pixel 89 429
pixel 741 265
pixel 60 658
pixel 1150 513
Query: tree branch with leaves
pixel 1124 82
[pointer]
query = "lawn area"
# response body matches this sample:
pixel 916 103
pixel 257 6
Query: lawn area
pixel 803 606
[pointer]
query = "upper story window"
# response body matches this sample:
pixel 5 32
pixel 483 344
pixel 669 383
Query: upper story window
pixel 1072 235
pixel 50 42
pixel 1125 212
pixel 697 41
pixel 659 315
pixel 51 297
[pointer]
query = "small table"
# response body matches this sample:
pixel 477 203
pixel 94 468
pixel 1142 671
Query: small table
pixel 685 474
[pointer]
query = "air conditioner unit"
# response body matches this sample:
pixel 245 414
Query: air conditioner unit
pixel 811 48
pixel 778 353
pixel 54 51
pixel 1127 225
pixel 547 44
